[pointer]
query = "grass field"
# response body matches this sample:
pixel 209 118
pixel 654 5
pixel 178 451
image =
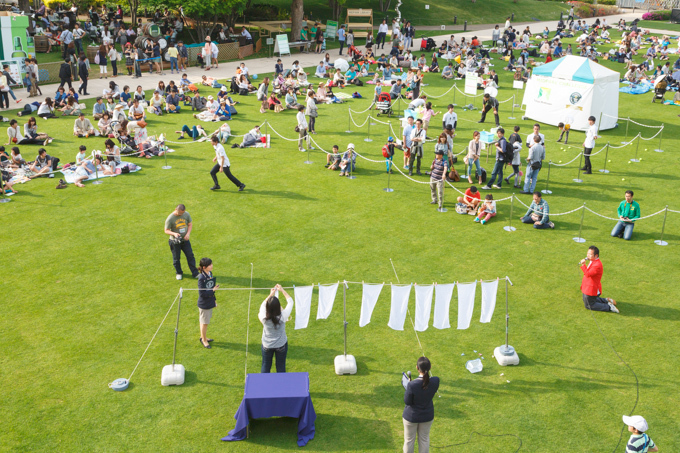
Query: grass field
pixel 659 25
pixel 88 278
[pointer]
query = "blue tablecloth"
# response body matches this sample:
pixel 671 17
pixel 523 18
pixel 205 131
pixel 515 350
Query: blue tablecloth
pixel 276 395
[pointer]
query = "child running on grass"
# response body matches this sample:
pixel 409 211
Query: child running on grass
pixel 487 210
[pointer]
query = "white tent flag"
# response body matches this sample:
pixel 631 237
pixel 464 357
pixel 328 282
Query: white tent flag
pixel 466 302
pixel 442 302
pixel 423 306
pixel 400 295
pixel 326 300
pixel 303 305
pixel 368 300
pixel 489 290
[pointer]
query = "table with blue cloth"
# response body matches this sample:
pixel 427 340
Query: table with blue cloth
pixel 276 395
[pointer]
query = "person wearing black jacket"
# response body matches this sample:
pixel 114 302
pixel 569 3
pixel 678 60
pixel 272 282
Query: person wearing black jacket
pixel 490 103
pixel 206 298
pixel 65 74
pixel 84 74
pixel 419 411
pixel 409 32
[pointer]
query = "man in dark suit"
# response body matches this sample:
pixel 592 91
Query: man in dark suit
pixel 591 285
pixel 84 74
pixel 65 74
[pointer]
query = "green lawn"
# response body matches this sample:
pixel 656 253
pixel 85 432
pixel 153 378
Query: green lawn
pixel 88 278
pixel 659 25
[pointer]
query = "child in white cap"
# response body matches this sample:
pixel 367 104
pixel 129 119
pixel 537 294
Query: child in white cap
pixel 639 442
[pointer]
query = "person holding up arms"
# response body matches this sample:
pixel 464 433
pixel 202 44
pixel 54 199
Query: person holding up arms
pixel 419 411
pixel 274 339
pixel 206 298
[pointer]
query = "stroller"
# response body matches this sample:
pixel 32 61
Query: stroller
pixel 356 53
pixel 427 44
pixel 384 104
pixel 660 90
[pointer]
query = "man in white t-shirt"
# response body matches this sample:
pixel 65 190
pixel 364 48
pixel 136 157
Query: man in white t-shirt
pixel 588 145
pixel 450 118
pixel 222 165
pixel 537 131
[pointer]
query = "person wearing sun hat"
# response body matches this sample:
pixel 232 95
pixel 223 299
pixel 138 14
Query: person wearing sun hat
pixel 639 441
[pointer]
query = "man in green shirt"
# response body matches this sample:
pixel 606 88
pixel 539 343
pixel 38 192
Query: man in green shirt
pixel 629 212
pixel 178 226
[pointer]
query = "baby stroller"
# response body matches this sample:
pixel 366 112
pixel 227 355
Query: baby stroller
pixel 355 53
pixel 660 88
pixel 384 104
pixel 427 44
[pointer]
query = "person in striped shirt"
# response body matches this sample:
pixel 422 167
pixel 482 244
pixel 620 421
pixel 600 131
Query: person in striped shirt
pixel 639 442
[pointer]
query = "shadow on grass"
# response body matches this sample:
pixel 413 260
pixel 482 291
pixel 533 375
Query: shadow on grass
pixel 280 194
pixel 333 433
pixel 635 310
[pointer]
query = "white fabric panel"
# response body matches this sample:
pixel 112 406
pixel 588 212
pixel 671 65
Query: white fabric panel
pixel 423 306
pixel 442 302
pixel 400 295
pixel 326 299
pixel 466 303
pixel 303 305
pixel 489 291
pixel 368 300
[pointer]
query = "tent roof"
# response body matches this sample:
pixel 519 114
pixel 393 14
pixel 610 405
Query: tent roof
pixel 578 69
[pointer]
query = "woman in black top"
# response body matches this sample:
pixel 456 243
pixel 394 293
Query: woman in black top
pixel 419 411
pixel 206 298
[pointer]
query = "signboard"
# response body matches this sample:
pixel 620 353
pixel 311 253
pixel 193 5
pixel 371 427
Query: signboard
pixel 518 84
pixel 331 29
pixel 270 41
pixel 471 82
pixel 15 42
pixel 281 45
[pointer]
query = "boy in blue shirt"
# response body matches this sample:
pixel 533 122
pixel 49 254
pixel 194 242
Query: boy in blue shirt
pixel 639 442
pixel 341 38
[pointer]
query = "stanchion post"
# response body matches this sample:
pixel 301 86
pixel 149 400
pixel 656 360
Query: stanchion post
pixel 166 166
pixel 624 142
pixel 309 147
pixel 578 178
pixel 351 167
pixel 606 157
pixel 635 159
pixel 547 180
pixel 663 227
pixel 659 149
pixel 579 239
pixel 368 133
pixel 266 128
pixel 349 122
pixel 512 204
pixel 513 108
pixel 454 95
pixel 389 172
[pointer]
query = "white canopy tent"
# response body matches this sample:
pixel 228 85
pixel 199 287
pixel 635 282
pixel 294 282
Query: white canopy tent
pixel 569 90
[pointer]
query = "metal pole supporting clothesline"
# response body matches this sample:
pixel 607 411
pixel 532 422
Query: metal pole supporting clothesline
pixel 349 122
pixel 606 157
pixel 663 227
pixel 368 132
pixel 344 314
pixel 579 239
pixel 513 108
pixel 635 159
pixel 510 227
pixel 547 181
pixel 174 349
pixel 166 166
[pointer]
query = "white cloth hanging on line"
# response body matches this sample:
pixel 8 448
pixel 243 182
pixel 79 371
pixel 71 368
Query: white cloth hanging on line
pixel 303 305
pixel 368 299
pixel 400 295
pixel 423 306
pixel 326 300
pixel 466 303
pixel 442 303
pixel 489 292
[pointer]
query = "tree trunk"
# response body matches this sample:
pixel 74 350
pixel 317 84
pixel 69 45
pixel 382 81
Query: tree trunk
pixel 296 14
pixel 133 12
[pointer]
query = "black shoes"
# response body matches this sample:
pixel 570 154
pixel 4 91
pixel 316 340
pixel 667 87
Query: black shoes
pixel 241 187
pixel 215 187
pixel 205 346
pixel 235 145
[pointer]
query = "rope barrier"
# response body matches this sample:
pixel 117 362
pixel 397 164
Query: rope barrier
pixel 441 95
pixel 653 136
pixel 634 122
pixel 363 111
pixel 562 165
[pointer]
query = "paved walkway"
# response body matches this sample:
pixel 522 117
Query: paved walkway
pixel 266 65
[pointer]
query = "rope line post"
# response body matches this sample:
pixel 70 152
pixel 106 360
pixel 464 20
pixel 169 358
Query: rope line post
pixel 635 159
pixel 547 191
pixel 510 228
pixel 663 227
pixel 349 122
pixel 578 178
pixel 506 354
pixel 624 142
pixel 606 156
pixel 659 149
pixel 454 95
pixel 266 128
pixel 345 364
pixel 579 239
pixel 166 166
pixel 351 167
pixel 309 147
pixel 368 131
pixel 389 172
pixel 513 108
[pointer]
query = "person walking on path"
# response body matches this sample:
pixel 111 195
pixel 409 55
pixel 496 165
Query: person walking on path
pixel 591 285
pixel 222 166
pixel 274 339
pixel 206 298
pixel 178 226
